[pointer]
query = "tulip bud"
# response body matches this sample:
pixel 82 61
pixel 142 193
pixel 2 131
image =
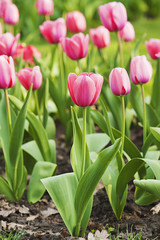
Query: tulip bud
pixel 76 47
pixel 28 76
pixel 45 7
pixel 3 4
pixel 76 22
pixel 8 44
pixel 7 76
pixel 53 31
pixel 140 70
pixel 100 36
pixel 11 14
pixel 119 82
pixel 113 15
pixel 29 52
pixel 153 47
pixel 85 88
pixel 127 33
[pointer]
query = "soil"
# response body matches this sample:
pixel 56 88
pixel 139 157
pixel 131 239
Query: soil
pixel 42 220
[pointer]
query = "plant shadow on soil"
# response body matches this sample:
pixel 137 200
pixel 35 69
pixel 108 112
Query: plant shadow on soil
pixel 42 221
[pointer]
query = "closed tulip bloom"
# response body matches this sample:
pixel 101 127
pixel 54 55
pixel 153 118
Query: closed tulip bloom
pixel 53 31
pixel 127 33
pixel 153 47
pixel 28 77
pixel 113 15
pixel 76 47
pixel 1 31
pixel 85 88
pixel 11 14
pixel 29 52
pixel 140 70
pixel 76 22
pixel 119 81
pixel 8 44
pixel 100 37
pixel 7 76
pixel 45 7
pixel 3 4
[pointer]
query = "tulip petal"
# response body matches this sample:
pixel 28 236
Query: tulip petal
pixel 71 48
pixel 71 79
pixel 98 81
pixel 5 73
pixel 24 77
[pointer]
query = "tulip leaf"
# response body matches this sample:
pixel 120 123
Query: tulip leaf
pixel 36 189
pixel 142 197
pixel 97 141
pixel 62 189
pixel 155 99
pixel 151 139
pixel 6 190
pixel 150 185
pixel 156 133
pixel 91 177
pixel 45 103
pixel 22 184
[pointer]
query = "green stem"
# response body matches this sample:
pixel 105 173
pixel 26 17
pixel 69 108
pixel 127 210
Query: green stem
pixel 37 104
pixel 84 141
pixel 77 229
pixel 120 50
pixel 123 123
pixel 8 109
pixel 61 64
pixel 144 114
pixel 79 66
pixel 101 54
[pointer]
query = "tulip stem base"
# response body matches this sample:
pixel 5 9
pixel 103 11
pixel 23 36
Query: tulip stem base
pixel 123 123
pixel 37 105
pixel 144 114
pixel 8 110
pixel 84 141
pixel 120 50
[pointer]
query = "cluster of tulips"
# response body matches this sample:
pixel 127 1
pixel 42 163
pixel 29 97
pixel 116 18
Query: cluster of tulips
pixel 91 160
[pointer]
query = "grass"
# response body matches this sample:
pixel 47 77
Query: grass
pixel 12 235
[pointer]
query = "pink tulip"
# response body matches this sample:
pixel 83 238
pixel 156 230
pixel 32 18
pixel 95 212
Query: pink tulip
pixel 29 52
pixel 85 88
pixel 153 47
pixel 113 15
pixel 7 76
pixel 1 30
pixel 3 4
pixel 45 7
pixel 140 70
pixel 76 22
pixel 53 31
pixel 127 33
pixel 119 81
pixel 8 44
pixel 100 36
pixel 11 14
pixel 28 76
pixel 76 47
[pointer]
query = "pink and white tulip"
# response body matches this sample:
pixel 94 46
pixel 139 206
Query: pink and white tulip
pixel 53 31
pixel 85 88
pixel 11 14
pixel 28 77
pixel 45 7
pixel 76 22
pixel 3 4
pixel 127 33
pixel 8 44
pixel 140 70
pixel 76 47
pixel 119 81
pixel 113 15
pixel 153 47
pixel 7 70
pixel 100 36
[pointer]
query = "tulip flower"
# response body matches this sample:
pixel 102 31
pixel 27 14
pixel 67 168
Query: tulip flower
pixel 76 22
pixel 100 36
pixel 3 4
pixel 140 70
pixel 53 31
pixel 1 30
pixel 127 33
pixel 29 52
pixel 85 88
pixel 153 47
pixel 28 76
pixel 113 15
pixel 76 47
pixel 8 44
pixel 45 7
pixel 119 82
pixel 11 14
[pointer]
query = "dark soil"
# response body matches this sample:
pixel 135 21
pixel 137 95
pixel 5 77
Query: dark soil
pixel 42 220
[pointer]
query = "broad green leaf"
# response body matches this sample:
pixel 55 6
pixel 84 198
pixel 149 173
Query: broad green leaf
pixel 51 128
pixel 16 140
pixel 76 151
pixel 142 197
pixel 156 132
pixel 99 120
pixel 91 177
pixel 97 141
pixel 5 190
pixel 62 190
pixel 151 139
pixel 150 185
pixel 86 217
pixel 155 99
pixel 22 184
pixel 36 189
pixel 37 131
